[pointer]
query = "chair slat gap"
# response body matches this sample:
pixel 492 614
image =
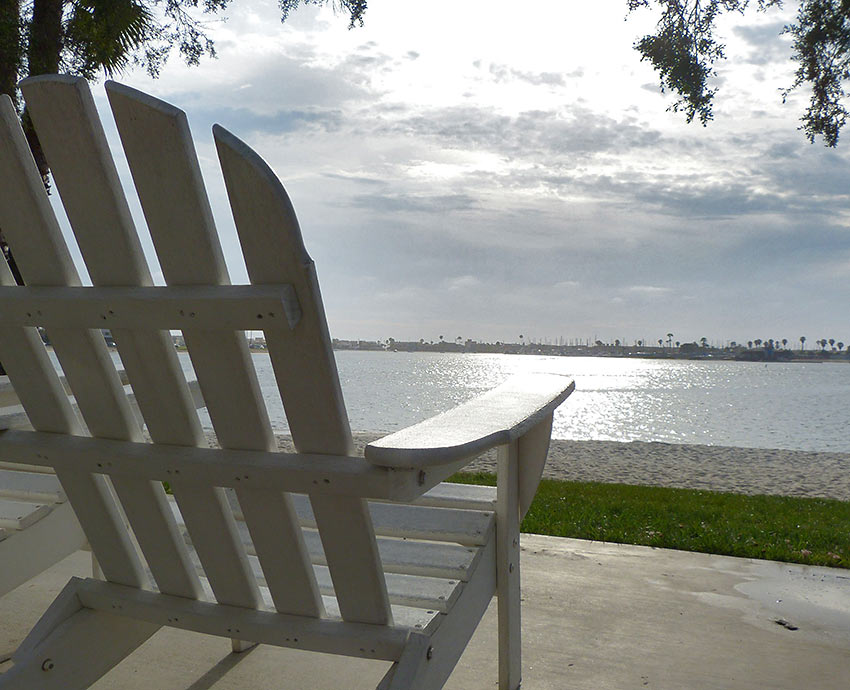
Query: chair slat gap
pixel 306 372
pixel 163 162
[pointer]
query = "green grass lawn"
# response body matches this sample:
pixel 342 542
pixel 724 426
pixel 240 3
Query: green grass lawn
pixel 815 531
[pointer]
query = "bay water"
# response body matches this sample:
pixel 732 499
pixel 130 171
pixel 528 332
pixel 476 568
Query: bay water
pixel 795 406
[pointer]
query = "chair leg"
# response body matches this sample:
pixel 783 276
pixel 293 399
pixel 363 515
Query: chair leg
pixel 406 673
pixel 72 646
pixel 239 646
pixel 507 568
pixel 96 571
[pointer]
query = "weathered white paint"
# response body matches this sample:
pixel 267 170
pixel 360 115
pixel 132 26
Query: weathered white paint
pixel 384 580
pixel 490 420
pixel 154 307
pixel 162 159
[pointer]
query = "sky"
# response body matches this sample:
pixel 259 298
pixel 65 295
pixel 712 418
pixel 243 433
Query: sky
pixel 487 169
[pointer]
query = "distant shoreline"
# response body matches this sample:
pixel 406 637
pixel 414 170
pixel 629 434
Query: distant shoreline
pixel 689 351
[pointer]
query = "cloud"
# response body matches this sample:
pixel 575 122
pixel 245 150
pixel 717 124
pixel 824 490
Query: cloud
pixel 463 283
pixel 357 179
pixel 443 186
pixel 503 73
pixel 393 203
pixel 280 122
pixel 766 42
pixel 649 290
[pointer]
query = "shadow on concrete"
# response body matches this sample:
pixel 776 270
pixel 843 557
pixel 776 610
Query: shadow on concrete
pixel 221 669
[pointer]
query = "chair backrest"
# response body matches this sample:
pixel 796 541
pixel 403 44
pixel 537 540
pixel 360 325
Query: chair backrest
pixel 158 146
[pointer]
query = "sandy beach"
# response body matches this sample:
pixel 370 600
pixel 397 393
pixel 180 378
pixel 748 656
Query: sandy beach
pixel 715 468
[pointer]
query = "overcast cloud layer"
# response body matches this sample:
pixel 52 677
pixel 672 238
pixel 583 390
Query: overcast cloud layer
pixel 484 171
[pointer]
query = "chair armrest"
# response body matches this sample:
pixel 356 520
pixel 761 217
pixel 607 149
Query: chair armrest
pixel 494 419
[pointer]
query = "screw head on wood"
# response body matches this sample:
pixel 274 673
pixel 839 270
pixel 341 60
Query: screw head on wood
pixel 47 665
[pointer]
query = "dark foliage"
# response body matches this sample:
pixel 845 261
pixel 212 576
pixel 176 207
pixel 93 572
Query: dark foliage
pixel 684 51
pixel 355 8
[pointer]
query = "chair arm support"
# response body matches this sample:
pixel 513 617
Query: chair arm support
pixel 496 418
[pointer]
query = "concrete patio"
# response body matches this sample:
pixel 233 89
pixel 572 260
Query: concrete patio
pixel 596 615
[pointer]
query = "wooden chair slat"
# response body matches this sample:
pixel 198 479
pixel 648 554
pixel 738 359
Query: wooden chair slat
pixel 416 591
pixel 62 108
pixel 404 556
pixel 30 227
pixel 221 308
pixel 17 515
pixel 468 527
pixel 465 496
pixel 306 371
pixel 159 149
pixel 30 486
pixel 326 635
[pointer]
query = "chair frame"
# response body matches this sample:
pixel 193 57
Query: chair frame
pixel 194 563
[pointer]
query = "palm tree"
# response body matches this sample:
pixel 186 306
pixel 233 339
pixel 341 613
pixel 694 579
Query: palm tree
pixel 784 342
pixel 832 342
pixel 840 346
pixel 661 342
pixel 757 342
pixel 749 344
pixel 703 341
pixel 802 342
pixel 670 340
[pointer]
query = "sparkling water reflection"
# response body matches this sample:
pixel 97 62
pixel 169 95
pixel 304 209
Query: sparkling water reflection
pixel 793 406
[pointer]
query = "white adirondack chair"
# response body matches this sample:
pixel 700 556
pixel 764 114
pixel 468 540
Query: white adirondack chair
pixel 312 559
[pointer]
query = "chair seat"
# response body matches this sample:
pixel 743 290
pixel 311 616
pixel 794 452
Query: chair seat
pixel 34 487
pixel 26 497
pixel 448 495
pixel 18 515
pixel 427 552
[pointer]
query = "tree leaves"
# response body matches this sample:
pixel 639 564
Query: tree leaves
pixel 102 34
pixel 683 51
pixel 355 8
pixel 821 42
